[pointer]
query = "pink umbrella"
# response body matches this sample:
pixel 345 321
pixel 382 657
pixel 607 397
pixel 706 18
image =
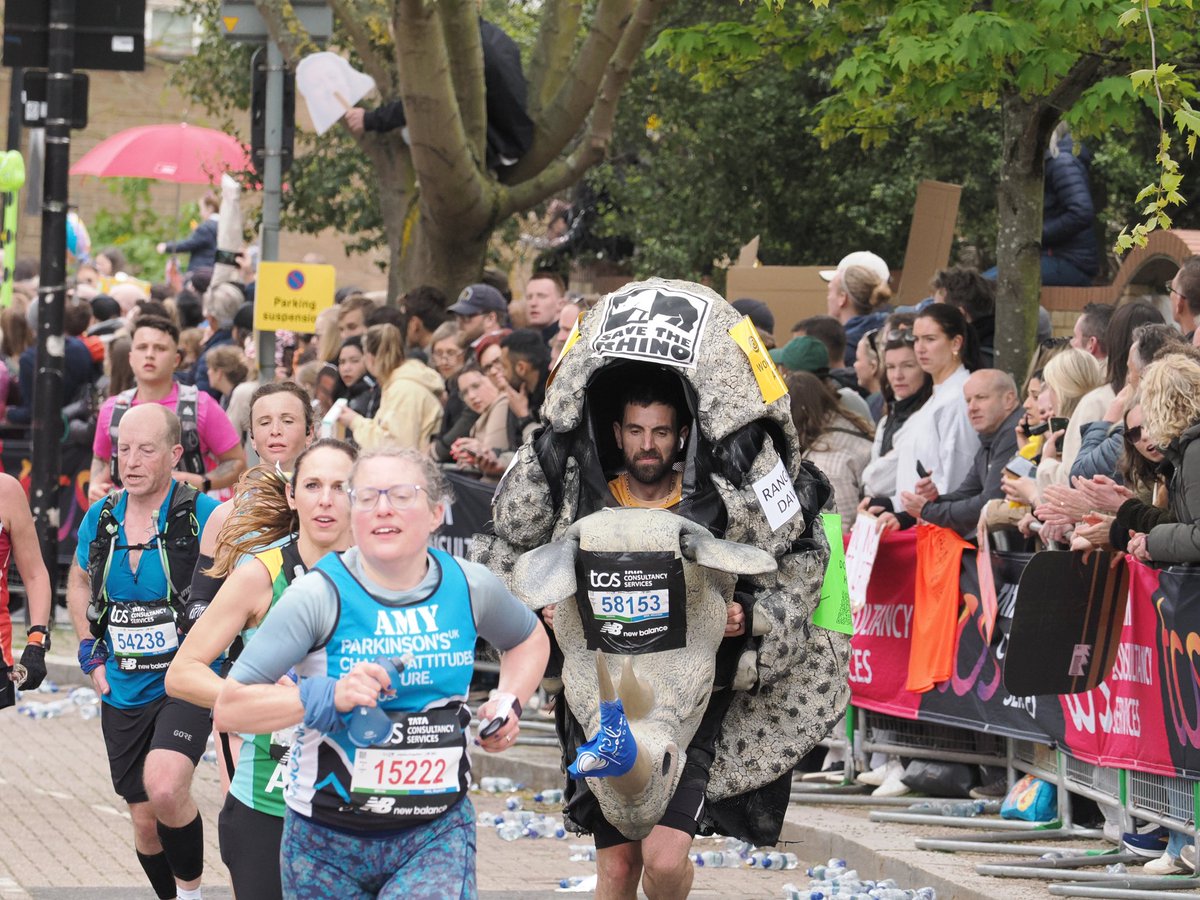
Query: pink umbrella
pixel 184 154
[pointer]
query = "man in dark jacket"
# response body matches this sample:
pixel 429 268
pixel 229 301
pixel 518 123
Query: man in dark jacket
pixel 1070 251
pixel 202 242
pixel 509 128
pixel 994 410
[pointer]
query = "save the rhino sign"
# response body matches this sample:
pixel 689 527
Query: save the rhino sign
pixel 653 325
pixel 777 496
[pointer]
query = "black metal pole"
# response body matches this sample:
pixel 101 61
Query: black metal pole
pixel 15 86
pixel 48 386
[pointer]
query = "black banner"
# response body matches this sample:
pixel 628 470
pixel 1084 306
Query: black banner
pixel 466 516
pixel 632 602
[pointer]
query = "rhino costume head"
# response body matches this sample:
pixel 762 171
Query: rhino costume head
pixel 663 694
pixel 743 480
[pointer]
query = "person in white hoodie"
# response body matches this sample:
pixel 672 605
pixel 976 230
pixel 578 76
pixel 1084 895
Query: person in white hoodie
pixel 939 442
pixel 410 410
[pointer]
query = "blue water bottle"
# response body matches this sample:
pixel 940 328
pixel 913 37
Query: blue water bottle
pixel 369 725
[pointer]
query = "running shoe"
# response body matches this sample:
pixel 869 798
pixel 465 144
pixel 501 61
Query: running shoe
pixel 1149 841
pixel 1166 865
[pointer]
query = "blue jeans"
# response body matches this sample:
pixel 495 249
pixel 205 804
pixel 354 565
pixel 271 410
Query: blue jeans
pixel 434 861
pixel 1056 272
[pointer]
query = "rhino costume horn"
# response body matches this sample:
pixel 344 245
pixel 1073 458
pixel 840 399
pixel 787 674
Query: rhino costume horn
pixel 634 781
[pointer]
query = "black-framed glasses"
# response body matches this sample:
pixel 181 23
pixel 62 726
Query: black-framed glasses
pixel 399 496
pixel 1052 343
pixel 1169 287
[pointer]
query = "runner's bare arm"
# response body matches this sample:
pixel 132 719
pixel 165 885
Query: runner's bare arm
pixel 258 708
pixel 79 595
pixel 100 483
pixel 242 600
pixel 232 464
pixel 521 670
pixel 14 512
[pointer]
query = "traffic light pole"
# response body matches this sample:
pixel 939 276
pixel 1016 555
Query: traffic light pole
pixel 272 189
pixel 48 384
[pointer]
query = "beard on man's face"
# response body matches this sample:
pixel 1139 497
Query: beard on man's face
pixel 647 467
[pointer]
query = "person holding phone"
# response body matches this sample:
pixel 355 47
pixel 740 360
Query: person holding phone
pixel 942 440
pixel 1072 379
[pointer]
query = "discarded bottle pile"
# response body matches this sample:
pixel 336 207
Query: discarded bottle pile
pixel 836 879
pixel 81 700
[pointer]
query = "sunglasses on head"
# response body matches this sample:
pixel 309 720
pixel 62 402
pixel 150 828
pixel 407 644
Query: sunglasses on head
pixel 898 335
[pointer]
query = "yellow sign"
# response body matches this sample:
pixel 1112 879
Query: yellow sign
pixel 288 296
pixel 745 335
pixel 230 22
pixel 572 340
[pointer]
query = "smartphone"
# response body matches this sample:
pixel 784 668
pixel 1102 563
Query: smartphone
pixel 1058 423
pixel 227 257
pixel 921 470
pixel 1020 467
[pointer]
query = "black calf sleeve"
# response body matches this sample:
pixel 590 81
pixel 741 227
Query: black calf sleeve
pixel 158 870
pixel 184 848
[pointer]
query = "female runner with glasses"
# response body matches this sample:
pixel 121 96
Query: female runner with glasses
pixel 314 511
pixel 389 624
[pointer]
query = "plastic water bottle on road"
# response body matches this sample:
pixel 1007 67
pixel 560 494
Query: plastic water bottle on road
pixel 717 859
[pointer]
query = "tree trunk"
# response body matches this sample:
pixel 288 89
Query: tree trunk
pixel 448 265
pixel 1018 242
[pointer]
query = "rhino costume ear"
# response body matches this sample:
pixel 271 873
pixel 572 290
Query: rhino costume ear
pixel 698 545
pixel 546 574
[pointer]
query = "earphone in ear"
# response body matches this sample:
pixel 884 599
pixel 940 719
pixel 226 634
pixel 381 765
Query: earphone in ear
pixel 682 441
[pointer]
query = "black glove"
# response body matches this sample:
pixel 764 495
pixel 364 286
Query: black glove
pixel 191 613
pixel 33 658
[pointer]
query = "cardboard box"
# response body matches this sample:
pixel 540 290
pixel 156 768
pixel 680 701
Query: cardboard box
pixel 796 292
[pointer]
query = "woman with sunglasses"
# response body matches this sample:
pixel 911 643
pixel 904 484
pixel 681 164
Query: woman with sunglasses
pixel 943 445
pixel 389 625
pixel 1170 395
pixel 905 388
pixel 311 515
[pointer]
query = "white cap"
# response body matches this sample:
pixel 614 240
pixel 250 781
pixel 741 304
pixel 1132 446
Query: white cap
pixel 864 258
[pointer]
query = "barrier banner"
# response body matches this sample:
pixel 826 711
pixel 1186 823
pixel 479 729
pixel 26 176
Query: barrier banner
pixel 1120 724
pixel 1176 645
pixel 1144 716
pixel 466 516
pixel 973 697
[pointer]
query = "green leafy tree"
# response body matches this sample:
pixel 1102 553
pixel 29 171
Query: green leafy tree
pixel 133 226
pixel 433 199
pixel 910 64
pixel 702 165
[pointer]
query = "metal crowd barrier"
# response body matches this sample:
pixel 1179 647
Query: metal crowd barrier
pixel 1161 800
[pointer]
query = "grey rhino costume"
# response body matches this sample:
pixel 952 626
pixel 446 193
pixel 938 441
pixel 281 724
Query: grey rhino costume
pixel 560 476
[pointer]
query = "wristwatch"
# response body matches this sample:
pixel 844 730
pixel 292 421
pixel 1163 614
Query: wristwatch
pixel 42 630
pixel 206 484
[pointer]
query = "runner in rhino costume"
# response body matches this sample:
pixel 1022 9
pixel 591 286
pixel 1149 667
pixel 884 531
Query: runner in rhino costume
pixel 800 688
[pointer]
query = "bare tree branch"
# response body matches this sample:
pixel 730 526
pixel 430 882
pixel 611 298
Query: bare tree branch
pixel 552 52
pixel 561 120
pixel 592 148
pixel 454 191
pixel 352 19
pixel 460 24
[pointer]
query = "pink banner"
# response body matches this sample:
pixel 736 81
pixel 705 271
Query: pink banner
pixel 1120 724
pixel 883 631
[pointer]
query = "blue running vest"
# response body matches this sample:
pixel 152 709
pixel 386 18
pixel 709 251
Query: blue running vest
pixel 422 768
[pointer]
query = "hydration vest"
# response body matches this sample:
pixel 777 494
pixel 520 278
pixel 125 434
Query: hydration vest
pixel 421 768
pixel 144 634
pixel 187 408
